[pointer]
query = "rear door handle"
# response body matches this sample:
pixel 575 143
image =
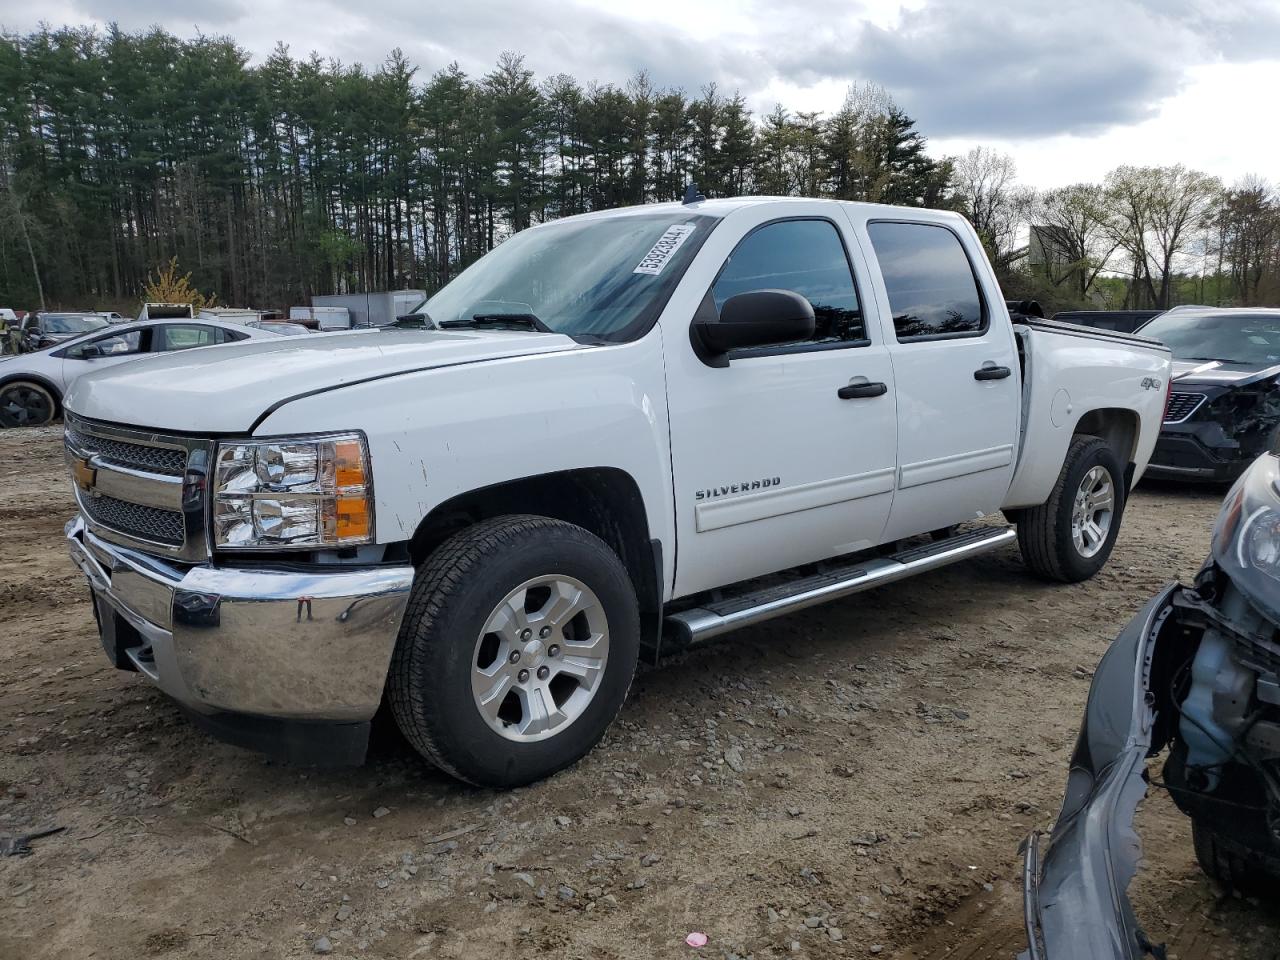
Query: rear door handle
pixel 992 372
pixel 858 391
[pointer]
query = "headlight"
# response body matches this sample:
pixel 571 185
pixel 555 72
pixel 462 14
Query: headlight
pixel 1246 538
pixel 293 493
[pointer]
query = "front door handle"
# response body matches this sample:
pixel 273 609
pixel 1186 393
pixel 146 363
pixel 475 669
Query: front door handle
pixel 858 391
pixel 991 372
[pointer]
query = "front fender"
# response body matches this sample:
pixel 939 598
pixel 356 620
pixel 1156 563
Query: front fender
pixel 437 434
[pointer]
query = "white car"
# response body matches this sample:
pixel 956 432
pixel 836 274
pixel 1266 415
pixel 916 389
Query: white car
pixel 603 434
pixel 32 384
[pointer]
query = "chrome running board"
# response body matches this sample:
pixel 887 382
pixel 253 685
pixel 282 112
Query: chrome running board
pixel 712 619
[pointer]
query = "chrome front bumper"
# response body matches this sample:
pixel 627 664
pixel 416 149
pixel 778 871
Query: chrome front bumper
pixel 289 645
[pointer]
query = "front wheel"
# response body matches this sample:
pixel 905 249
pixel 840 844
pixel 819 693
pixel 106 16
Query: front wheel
pixel 24 403
pixel 1070 536
pixel 517 650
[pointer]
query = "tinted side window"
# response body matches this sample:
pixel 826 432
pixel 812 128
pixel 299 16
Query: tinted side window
pixel 930 282
pixel 807 257
pixel 184 337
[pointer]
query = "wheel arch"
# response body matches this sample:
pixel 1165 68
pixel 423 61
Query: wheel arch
pixel 1120 428
pixel 605 501
pixel 40 379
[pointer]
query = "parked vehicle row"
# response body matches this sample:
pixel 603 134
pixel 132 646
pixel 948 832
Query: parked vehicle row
pixel 32 386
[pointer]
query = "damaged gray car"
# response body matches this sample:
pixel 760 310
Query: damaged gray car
pixel 1197 671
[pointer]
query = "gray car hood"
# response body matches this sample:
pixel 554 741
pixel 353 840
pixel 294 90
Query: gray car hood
pixel 1222 373
pixel 226 389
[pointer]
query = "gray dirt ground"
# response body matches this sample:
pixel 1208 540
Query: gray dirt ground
pixel 893 751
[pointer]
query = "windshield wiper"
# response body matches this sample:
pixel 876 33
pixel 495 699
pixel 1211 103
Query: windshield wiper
pixel 500 320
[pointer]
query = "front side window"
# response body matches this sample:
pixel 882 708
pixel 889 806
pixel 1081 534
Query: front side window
pixel 806 257
pixel 598 279
pixel 116 345
pixel 930 282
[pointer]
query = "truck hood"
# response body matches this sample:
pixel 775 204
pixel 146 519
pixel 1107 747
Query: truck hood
pixel 227 389
pixel 1222 373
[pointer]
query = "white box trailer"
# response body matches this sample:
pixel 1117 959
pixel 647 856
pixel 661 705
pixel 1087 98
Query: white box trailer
pixel 378 309
pixel 322 318
pixel 166 311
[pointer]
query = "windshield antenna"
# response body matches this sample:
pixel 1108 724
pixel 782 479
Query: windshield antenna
pixel 692 194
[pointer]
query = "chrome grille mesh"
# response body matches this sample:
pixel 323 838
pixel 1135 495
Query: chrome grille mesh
pixel 136 456
pixel 135 520
pixel 1182 405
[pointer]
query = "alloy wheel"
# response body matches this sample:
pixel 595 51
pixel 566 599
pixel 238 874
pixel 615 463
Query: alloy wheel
pixel 540 658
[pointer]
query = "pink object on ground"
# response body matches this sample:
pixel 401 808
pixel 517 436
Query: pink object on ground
pixel 696 939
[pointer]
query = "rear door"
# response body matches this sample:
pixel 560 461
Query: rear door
pixel 956 367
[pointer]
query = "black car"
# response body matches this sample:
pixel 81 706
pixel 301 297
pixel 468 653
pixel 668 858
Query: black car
pixel 1122 321
pixel 46 329
pixel 1225 406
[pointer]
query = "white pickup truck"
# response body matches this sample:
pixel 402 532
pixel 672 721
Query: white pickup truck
pixel 628 429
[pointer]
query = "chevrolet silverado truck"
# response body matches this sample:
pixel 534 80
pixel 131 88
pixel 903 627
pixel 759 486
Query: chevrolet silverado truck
pixel 628 431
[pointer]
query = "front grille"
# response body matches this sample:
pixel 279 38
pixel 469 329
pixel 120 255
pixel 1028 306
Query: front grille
pixel 1182 406
pixel 140 489
pixel 135 456
pixel 135 520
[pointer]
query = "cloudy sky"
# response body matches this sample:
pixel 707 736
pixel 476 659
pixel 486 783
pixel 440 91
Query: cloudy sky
pixel 1069 87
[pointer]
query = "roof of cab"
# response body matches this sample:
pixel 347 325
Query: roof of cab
pixel 722 207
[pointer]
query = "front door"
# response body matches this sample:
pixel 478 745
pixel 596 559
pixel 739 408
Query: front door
pixel 956 363
pixel 785 454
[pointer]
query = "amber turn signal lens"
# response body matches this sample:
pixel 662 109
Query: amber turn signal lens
pixel 352 516
pixel 348 466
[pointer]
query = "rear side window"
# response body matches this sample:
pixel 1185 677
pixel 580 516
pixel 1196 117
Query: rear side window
pixel 182 337
pixel 930 282
pixel 806 257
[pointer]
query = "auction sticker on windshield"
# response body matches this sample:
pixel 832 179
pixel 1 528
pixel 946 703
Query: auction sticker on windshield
pixel 656 259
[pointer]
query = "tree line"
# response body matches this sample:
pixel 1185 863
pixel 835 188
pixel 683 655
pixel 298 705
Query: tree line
pixel 277 181
pixel 1145 237
pixel 295 177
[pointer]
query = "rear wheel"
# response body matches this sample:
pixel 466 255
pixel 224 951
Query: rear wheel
pixel 1070 536
pixel 517 650
pixel 1232 864
pixel 24 403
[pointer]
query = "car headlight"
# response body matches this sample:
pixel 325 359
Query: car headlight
pixel 302 492
pixel 1246 538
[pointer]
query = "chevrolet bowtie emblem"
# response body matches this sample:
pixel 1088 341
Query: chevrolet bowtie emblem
pixel 84 475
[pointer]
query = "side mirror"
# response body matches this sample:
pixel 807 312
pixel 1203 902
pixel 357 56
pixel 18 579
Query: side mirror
pixel 756 319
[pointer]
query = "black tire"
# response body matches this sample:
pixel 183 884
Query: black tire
pixel 454 592
pixel 26 403
pixel 1044 532
pixel 1232 864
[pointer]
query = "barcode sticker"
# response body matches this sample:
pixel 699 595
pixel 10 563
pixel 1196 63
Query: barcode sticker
pixel 656 259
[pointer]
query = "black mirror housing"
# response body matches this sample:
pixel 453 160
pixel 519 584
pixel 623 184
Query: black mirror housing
pixel 756 319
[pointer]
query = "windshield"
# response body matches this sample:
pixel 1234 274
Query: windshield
pixel 604 279
pixel 71 323
pixel 1232 337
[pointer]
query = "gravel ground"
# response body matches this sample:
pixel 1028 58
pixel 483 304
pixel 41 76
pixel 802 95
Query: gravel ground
pixel 850 781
